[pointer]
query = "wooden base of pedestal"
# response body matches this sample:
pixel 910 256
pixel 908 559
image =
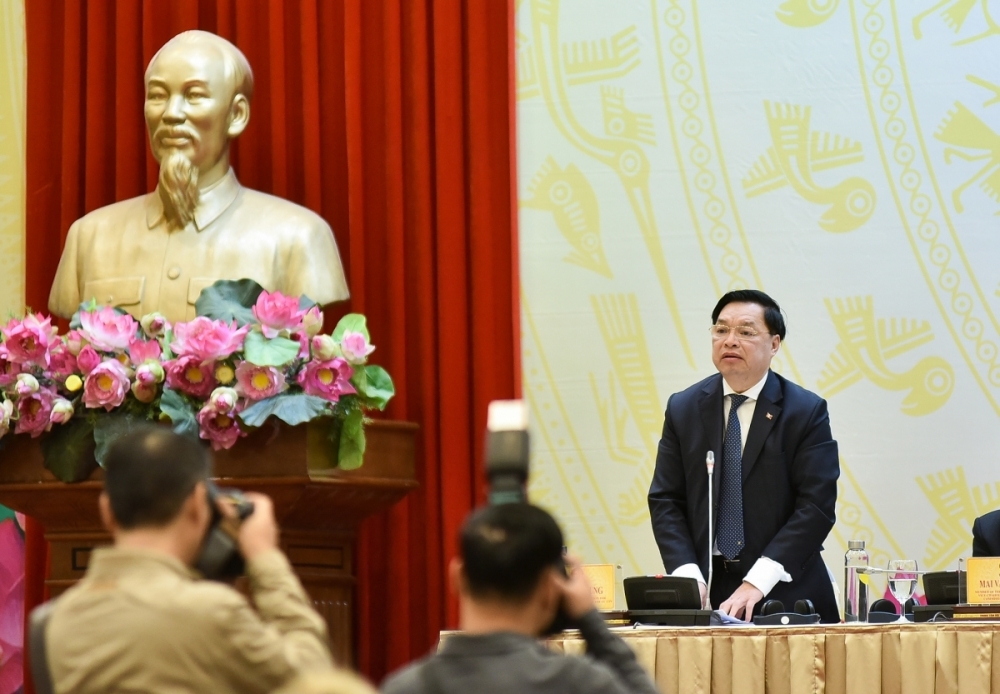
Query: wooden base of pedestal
pixel 318 507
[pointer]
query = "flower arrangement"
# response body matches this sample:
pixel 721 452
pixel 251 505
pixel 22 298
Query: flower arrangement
pixel 247 356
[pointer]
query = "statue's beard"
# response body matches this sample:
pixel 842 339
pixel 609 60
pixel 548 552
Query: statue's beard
pixel 178 189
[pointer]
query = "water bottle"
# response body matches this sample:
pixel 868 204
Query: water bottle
pixel 855 588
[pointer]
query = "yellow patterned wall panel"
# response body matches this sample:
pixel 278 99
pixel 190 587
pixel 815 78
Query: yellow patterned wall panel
pixel 12 134
pixel 842 155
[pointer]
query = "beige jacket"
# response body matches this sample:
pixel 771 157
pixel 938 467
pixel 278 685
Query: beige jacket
pixel 141 622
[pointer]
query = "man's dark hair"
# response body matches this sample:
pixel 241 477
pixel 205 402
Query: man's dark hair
pixel 772 312
pixel 507 548
pixel 149 473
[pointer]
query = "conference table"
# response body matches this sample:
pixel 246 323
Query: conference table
pixel 929 658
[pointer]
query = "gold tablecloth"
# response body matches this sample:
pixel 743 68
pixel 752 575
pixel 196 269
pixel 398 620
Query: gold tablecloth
pixel 938 658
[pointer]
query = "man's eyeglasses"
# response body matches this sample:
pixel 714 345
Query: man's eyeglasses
pixel 743 332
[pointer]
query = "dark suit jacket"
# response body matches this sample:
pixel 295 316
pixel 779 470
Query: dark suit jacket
pixel 986 535
pixel 790 471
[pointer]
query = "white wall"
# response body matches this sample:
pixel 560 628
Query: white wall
pixel 652 180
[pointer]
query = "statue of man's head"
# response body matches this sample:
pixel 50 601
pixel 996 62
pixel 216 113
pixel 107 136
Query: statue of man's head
pixel 198 89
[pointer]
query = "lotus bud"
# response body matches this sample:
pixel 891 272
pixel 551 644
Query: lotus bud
pixel 26 384
pixel 324 347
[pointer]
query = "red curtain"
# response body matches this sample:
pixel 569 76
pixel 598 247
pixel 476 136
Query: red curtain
pixel 393 119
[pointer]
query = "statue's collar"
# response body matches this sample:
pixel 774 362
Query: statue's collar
pixel 212 202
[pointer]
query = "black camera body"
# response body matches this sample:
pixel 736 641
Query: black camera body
pixel 508 456
pixel 220 558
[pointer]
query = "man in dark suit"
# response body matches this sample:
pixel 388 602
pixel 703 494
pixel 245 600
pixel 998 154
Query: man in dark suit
pixel 775 484
pixel 986 535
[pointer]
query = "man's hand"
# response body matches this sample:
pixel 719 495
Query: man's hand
pixel 703 589
pixel 259 532
pixel 578 596
pixel 741 603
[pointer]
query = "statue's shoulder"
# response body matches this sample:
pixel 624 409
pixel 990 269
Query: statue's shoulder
pixel 114 213
pixel 267 208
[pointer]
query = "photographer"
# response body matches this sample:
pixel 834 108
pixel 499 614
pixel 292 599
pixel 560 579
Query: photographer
pixel 140 620
pixel 511 582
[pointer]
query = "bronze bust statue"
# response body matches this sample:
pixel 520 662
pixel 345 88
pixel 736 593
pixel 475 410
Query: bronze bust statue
pixel 158 251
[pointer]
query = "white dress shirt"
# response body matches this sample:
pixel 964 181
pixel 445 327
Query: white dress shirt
pixel 765 573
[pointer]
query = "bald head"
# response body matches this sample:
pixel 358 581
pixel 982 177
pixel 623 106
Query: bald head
pixel 237 68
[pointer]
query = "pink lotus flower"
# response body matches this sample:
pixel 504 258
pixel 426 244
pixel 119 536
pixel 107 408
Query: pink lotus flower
pixel 219 426
pixel 141 351
pixel 74 341
pixel 107 329
pixel 62 362
pixel 355 348
pixel 327 379
pixel 33 413
pixel 259 382
pixel 276 312
pixel 9 372
pixel 27 341
pixel 6 410
pixel 106 385
pixel 62 411
pixel 8 369
pixel 189 374
pixel 87 360
pixel 207 340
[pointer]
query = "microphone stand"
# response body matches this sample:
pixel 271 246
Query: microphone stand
pixel 710 467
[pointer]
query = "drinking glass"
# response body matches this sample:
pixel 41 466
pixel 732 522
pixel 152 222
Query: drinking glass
pixel 902 582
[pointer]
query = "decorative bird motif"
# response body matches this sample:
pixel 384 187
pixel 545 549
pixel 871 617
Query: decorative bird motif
pixel 796 153
pixel 619 121
pixel 954 14
pixel 568 195
pixel 558 65
pixel 865 346
pixel 806 13
pixel 962 128
pixel 957 504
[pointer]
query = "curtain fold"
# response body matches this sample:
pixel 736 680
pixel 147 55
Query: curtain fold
pixel 392 120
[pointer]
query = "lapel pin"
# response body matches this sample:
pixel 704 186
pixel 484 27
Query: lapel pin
pixel 769 415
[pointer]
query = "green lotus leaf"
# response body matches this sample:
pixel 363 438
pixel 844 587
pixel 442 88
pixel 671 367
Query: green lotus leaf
pixel 355 322
pixel 278 351
pixel 229 300
pixel 351 449
pixel 68 450
pixel 291 408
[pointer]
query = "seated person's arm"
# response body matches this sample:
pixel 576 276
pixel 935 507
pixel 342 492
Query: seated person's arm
pixel 285 636
pixel 602 645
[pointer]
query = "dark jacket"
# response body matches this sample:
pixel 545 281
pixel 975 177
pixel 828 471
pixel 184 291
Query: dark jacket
pixel 986 535
pixel 506 662
pixel 790 471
